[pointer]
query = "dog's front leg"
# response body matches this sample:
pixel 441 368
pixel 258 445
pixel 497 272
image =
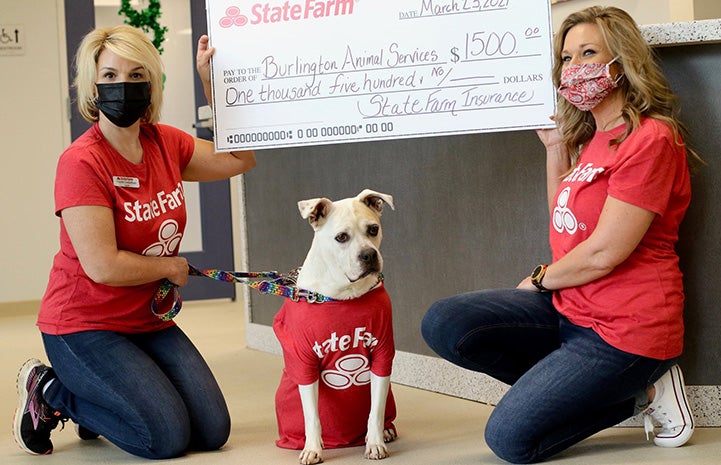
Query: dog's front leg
pixel 376 438
pixel 313 450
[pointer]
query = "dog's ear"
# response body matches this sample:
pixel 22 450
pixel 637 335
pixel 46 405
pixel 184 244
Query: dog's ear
pixel 315 210
pixel 375 200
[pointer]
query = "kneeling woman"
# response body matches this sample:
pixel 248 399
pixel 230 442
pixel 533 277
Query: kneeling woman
pixel 592 338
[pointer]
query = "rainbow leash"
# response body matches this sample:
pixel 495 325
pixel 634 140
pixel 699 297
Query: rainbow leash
pixel 266 282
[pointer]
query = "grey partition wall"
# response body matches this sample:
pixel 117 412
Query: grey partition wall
pixel 471 213
pixel 695 75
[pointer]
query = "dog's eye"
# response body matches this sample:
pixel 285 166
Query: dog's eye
pixel 373 230
pixel 342 237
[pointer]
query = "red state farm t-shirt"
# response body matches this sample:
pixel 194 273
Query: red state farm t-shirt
pixel 638 307
pixel 148 205
pixel 337 343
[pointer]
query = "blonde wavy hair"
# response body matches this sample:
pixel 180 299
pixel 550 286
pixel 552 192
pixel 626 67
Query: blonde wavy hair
pixel 644 88
pixel 126 42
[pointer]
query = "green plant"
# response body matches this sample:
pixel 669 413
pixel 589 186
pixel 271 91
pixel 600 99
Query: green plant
pixel 145 19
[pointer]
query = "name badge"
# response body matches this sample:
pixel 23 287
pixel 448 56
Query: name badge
pixel 125 181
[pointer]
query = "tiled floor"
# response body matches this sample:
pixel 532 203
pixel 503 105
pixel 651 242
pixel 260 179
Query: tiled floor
pixel 434 429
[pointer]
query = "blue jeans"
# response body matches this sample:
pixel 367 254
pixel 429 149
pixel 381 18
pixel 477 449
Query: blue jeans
pixel 566 382
pixel 150 394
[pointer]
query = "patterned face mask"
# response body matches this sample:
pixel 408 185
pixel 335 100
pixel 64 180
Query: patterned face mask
pixel 585 85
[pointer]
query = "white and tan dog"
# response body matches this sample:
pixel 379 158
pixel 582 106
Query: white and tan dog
pixel 335 390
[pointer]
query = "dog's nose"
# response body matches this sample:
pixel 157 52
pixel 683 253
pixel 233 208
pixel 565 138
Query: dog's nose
pixel 369 256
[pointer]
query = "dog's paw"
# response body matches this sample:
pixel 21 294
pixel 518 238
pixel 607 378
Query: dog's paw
pixel 376 451
pixel 389 435
pixel 310 457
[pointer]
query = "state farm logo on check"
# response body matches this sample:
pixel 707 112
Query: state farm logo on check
pixel 265 13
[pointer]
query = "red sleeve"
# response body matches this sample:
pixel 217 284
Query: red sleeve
pixel 646 175
pixel 385 351
pixel 78 182
pixel 177 143
pixel 301 364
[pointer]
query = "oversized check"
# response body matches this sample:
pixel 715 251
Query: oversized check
pixel 309 72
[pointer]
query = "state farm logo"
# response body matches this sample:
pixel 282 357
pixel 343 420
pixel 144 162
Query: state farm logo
pixel 233 18
pixel 289 11
pixel 351 370
pixel 169 238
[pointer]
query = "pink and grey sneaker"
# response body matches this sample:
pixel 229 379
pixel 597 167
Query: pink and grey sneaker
pixel 34 418
pixel 670 410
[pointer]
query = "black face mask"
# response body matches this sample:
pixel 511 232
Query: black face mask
pixel 123 103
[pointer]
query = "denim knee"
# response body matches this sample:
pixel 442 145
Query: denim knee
pixel 167 439
pixel 503 440
pixel 169 450
pixel 434 329
pixel 214 436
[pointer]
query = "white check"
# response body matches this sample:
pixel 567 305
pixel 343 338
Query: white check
pixel 309 72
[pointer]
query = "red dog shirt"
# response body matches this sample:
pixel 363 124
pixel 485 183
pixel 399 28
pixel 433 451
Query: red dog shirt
pixel 338 343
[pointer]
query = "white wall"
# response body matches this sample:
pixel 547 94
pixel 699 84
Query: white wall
pixel 34 129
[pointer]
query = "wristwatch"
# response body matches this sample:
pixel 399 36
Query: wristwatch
pixel 537 277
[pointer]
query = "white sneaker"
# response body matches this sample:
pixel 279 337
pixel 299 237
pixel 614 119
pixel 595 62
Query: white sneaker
pixel 670 410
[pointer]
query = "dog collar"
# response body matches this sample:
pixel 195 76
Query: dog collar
pixel 295 294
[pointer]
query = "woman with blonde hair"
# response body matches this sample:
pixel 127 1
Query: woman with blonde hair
pixel 118 370
pixel 592 338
